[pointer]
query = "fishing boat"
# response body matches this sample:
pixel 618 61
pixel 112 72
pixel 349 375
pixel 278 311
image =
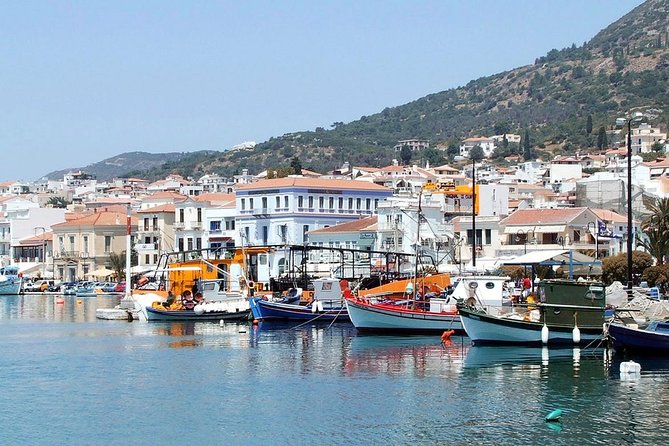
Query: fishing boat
pixel 200 288
pixel 327 304
pixel 10 280
pixel 566 312
pixel 651 338
pixel 432 308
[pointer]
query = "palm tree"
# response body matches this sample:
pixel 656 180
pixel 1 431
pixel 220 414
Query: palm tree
pixel 656 229
pixel 117 262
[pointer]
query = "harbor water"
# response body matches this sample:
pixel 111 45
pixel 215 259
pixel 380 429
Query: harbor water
pixel 68 378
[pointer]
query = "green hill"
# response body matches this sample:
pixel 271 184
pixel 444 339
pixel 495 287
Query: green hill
pixel 560 103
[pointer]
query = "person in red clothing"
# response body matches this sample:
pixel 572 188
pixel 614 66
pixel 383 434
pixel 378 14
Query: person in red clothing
pixel 527 285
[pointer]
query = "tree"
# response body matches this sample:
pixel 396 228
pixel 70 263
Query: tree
pixel 655 228
pixel 602 143
pixel 476 154
pixel 615 268
pixel 527 147
pixel 57 202
pixel 296 166
pixel 405 154
pixel 453 150
pixel 588 125
pixel 117 263
pixel 657 147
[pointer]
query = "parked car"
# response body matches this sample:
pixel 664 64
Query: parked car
pixel 120 287
pixel 37 286
pixel 55 287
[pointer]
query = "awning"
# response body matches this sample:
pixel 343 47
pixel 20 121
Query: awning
pixel 579 263
pixel 518 229
pixel 100 272
pixel 549 228
pixel 219 239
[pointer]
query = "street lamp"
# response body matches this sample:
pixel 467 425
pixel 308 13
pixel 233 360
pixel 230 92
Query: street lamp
pixel 524 236
pixel 636 116
pixel 595 228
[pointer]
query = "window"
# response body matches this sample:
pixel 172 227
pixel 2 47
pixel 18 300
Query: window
pixel 198 243
pixel 488 236
pixel 181 244
pixel 251 203
pixel 285 201
pixel 341 203
pixel 199 215
pixel 181 216
pixel 368 204
pixel 147 239
pixel 84 243
pixel 376 203
pixel 155 258
pixel 243 204
pixel 300 201
pixel 278 202
pixel 189 242
pixel 246 234
pixel 358 202
pixel 215 225
pixel 155 223
pixel 305 229
pixel 331 203
pixel 108 241
pixel 350 203
pixel 71 243
pixel 147 257
pixel 311 202
pixel 264 235
pixel 146 223
pixel 321 202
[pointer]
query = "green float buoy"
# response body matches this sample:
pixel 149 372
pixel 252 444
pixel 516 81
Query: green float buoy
pixel 554 416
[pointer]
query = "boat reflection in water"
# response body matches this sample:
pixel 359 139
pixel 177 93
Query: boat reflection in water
pixel 511 356
pixel 400 355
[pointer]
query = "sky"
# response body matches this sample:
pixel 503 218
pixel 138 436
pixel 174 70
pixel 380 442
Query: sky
pixel 82 81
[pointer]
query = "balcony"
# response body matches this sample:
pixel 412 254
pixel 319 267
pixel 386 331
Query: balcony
pixel 65 254
pixel 179 225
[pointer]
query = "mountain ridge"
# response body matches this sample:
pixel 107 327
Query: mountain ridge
pixel 624 67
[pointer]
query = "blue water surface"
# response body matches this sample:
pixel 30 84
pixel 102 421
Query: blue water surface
pixel 68 378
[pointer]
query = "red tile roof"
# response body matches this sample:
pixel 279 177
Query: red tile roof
pixel 612 216
pixel 542 216
pixel 163 208
pixel 363 224
pixel 98 219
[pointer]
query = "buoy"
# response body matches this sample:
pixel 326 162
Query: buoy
pixel 554 416
pixel 60 300
pixel 576 335
pixel 314 307
pixel 446 336
pixel 78 301
pixel 221 323
pixel 255 321
pixel 630 367
pixel 320 306
pixel 544 334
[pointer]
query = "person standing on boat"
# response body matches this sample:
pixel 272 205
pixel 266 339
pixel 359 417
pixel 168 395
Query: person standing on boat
pixel 527 286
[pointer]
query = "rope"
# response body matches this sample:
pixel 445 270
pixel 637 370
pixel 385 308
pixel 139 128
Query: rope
pixel 335 318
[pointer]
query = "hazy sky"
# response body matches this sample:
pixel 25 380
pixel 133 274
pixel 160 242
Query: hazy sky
pixel 81 81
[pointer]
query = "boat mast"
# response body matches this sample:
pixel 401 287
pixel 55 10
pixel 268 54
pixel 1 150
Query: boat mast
pixel 415 277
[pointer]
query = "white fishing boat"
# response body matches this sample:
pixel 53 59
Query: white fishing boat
pixel 10 280
pixel 433 311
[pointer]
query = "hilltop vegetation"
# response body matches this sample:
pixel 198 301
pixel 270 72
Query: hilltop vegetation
pixel 561 103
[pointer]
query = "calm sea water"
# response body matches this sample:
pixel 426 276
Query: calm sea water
pixel 68 378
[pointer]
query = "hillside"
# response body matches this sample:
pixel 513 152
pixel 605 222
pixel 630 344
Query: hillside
pixel 121 165
pixel 553 102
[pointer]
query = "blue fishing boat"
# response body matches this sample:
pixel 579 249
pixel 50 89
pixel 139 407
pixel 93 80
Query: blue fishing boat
pixel 327 304
pixel 10 280
pixel 654 338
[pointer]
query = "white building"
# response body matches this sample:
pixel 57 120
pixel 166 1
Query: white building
pixel 283 210
pixel 487 144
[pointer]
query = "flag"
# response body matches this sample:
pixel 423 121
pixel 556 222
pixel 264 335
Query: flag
pixel 603 231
